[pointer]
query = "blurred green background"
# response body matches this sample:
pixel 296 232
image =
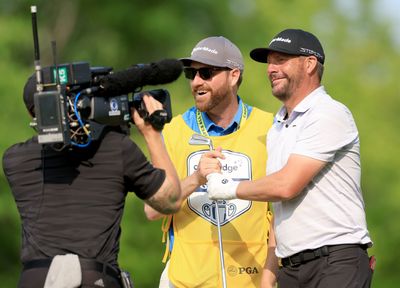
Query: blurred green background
pixel 361 39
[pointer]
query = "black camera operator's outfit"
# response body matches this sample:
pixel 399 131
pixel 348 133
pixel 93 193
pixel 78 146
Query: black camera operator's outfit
pixel 72 201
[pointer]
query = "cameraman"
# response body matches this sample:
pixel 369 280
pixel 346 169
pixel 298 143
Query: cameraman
pixel 71 201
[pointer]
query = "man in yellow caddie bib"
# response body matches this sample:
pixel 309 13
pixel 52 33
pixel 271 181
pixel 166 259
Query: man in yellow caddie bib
pixel 215 69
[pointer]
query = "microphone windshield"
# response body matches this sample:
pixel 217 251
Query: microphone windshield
pixel 127 81
pixel 164 71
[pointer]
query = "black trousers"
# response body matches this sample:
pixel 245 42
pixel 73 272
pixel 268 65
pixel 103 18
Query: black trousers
pixel 36 277
pixel 344 268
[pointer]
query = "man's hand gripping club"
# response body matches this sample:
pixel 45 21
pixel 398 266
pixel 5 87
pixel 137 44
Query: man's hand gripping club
pixel 219 186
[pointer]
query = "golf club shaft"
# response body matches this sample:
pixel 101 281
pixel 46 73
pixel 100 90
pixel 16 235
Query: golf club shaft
pixel 198 139
pixel 221 249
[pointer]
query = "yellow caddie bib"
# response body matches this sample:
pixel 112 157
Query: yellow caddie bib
pixel 194 261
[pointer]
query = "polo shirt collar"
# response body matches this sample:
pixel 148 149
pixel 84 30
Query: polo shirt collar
pixel 305 104
pixel 310 100
pixel 210 125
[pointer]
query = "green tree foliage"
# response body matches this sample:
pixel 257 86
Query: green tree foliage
pixel 362 61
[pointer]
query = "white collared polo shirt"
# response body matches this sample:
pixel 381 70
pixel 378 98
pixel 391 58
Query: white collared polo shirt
pixel 330 210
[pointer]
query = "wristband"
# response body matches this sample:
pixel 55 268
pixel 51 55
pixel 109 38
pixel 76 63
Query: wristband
pixel 221 187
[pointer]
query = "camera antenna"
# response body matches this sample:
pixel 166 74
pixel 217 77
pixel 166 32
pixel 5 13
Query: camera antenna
pixel 54 52
pixel 38 69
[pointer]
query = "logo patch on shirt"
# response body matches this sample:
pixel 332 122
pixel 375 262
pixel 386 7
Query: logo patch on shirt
pixel 235 165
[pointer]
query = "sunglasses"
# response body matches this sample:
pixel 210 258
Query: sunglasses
pixel 205 73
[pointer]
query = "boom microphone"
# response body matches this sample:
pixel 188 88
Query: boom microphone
pixel 127 81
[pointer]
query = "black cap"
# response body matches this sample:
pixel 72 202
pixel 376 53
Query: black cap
pixel 293 42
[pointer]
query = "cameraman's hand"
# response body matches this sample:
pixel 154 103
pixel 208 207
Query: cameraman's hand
pixel 151 106
pixel 167 199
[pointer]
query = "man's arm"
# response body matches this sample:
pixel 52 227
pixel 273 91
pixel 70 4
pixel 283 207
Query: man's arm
pixel 188 185
pixel 167 198
pixel 207 164
pixel 282 185
pixel 271 266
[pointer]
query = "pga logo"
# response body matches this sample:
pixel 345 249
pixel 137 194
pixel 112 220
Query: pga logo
pixel 234 271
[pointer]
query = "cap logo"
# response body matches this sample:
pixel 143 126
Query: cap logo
pixel 310 52
pixel 235 64
pixel 204 48
pixel 280 39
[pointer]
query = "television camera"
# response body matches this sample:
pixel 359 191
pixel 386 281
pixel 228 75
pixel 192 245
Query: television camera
pixel 74 102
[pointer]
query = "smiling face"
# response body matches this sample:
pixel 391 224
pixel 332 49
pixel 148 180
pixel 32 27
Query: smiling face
pixel 214 94
pixel 286 74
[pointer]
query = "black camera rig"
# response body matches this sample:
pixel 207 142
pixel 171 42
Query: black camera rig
pixel 74 102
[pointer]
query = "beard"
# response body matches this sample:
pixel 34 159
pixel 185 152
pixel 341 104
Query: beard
pixel 280 94
pixel 280 91
pixel 285 88
pixel 214 98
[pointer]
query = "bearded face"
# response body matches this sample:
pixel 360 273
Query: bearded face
pixel 285 73
pixel 210 94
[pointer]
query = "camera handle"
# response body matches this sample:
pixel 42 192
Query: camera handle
pixel 158 119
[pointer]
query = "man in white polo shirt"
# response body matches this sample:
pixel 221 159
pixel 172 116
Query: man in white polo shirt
pixel 313 172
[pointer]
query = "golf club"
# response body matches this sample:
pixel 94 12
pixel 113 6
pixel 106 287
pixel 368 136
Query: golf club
pixel 198 139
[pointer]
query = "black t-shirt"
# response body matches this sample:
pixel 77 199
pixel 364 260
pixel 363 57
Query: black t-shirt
pixel 72 201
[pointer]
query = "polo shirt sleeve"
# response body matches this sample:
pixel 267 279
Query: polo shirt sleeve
pixel 140 175
pixel 325 132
